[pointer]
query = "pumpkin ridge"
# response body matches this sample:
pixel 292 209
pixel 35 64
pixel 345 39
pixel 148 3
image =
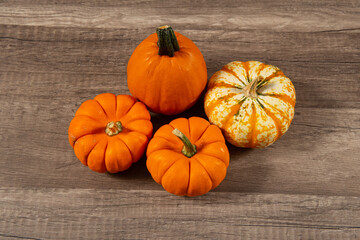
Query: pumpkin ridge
pixel 201 136
pixel 104 162
pixel 171 125
pixel 96 131
pixel 262 66
pixel 133 120
pixel 187 188
pixel 95 162
pixel 216 102
pixel 131 154
pixel 209 155
pixel 115 111
pixel 285 98
pixel 221 84
pixel 165 139
pixel 135 130
pixel 92 133
pixel 201 153
pixel 91 117
pixel 235 109
pixel 226 69
pixel 87 155
pixel 276 122
pixel 102 108
pixel 277 73
pixel 189 137
pixel 253 126
pixel 208 142
pixel 280 111
pixel 126 118
pixel 247 69
pixel 143 95
pixel 167 169
pixel 199 146
pixel 212 180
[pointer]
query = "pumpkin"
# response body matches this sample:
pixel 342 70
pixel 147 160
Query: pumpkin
pixel 167 72
pixel 252 102
pixel 109 133
pixel 188 156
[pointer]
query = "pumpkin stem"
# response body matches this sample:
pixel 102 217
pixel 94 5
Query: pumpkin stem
pixel 189 149
pixel 167 41
pixel 250 89
pixel 113 129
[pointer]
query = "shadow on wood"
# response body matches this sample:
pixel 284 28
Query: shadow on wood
pixel 137 171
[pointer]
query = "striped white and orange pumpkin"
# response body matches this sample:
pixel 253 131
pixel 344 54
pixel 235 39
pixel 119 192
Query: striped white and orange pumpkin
pixel 252 102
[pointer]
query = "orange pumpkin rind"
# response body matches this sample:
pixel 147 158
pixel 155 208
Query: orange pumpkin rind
pixel 167 72
pixel 109 133
pixel 192 170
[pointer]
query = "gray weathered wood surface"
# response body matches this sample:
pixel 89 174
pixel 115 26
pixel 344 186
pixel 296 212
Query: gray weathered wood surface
pixel 56 54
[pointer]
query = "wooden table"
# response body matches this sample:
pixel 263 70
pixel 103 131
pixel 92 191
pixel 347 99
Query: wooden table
pixel 55 55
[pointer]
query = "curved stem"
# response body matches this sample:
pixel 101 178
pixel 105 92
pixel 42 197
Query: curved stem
pixel 189 149
pixel 250 89
pixel 113 129
pixel 167 41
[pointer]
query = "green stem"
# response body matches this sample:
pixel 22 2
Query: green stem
pixel 113 129
pixel 189 149
pixel 167 41
pixel 250 89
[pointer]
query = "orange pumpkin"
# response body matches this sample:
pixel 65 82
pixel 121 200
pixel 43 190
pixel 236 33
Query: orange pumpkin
pixel 109 133
pixel 252 102
pixel 163 67
pixel 188 156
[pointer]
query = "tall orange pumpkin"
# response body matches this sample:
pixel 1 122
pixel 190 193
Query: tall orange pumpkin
pixel 109 133
pixel 167 72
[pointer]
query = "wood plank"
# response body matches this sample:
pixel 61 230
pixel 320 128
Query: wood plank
pixel 108 214
pixel 283 16
pixel 37 108
pixel 323 73
pixel 49 71
pixel 324 47
pixel 56 54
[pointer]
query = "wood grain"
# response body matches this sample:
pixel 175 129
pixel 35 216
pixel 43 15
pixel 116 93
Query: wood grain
pixel 57 54
pixel 109 214
pixel 279 16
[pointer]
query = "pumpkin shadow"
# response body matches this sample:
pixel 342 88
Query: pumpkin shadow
pixel 239 152
pixel 246 172
pixel 137 170
pixel 197 110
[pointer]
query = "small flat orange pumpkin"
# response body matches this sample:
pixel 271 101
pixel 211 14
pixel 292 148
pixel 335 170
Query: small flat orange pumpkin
pixel 188 156
pixel 109 133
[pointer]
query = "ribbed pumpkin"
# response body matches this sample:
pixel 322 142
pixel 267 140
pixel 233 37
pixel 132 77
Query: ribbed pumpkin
pixel 109 133
pixel 188 156
pixel 252 102
pixel 167 72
